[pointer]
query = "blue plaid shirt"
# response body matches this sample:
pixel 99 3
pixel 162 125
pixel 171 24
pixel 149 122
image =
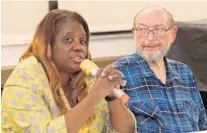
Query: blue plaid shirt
pixel 173 107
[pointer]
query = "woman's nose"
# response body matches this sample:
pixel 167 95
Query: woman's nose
pixel 77 46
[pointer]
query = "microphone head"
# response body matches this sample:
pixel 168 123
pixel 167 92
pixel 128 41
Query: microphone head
pixel 88 67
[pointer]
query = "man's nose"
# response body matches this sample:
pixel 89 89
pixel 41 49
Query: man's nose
pixel 150 35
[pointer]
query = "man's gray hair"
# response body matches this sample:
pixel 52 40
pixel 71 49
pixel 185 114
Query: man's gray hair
pixel 170 16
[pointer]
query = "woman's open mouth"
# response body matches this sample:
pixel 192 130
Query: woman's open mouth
pixel 77 59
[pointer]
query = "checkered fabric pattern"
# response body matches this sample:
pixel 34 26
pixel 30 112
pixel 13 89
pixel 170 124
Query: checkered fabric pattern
pixel 173 107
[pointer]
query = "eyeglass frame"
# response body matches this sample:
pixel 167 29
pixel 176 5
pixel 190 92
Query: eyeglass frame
pixel 147 33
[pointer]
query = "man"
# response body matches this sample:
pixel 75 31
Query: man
pixel 163 93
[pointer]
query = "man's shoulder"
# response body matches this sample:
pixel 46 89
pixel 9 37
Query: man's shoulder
pixel 183 70
pixel 124 60
pixel 127 61
pixel 178 65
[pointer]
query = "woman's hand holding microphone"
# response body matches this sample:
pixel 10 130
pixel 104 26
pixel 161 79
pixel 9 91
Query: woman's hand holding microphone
pixel 108 81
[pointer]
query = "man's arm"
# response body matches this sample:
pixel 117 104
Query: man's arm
pixel 202 122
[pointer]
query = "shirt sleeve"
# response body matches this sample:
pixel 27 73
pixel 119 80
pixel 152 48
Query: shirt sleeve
pixel 202 122
pixel 24 109
pixel 103 107
pixel 28 113
pixel 108 128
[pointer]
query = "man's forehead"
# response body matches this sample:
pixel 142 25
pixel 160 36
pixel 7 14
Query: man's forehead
pixel 145 24
pixel 152 17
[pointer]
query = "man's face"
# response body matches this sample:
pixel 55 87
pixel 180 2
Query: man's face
pixel 153 35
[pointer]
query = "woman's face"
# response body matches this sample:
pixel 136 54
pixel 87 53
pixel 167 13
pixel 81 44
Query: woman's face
pixel 69 47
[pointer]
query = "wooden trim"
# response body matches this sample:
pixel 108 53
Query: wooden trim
pixel 5 72
pixel 101 62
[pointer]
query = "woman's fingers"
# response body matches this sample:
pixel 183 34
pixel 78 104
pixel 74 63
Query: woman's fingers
pixel 123 82
pixel 120 83
pixel 112 73
pixel 111 77
pixel 115 74
pixel 100 70
pixel 117 86
pixel 106 70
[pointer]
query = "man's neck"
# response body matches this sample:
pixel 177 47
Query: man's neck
pixel 159 69
pixel 157 64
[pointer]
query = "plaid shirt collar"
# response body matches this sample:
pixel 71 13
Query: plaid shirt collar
pixel 147 72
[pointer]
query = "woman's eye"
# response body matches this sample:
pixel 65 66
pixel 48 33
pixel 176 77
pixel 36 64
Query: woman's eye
pixel 69 39
pixel 83 42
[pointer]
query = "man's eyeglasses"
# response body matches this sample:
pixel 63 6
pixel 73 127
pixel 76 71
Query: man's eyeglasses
pixel 157 32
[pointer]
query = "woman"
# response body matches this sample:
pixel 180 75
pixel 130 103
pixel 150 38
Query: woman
pixel 47 92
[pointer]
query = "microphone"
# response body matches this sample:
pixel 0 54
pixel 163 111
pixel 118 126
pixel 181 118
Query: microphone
pixel 90 68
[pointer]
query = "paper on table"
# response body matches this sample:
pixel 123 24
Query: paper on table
pixel 199 131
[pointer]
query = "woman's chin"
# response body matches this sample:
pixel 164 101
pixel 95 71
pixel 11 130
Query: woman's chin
pixel 75 69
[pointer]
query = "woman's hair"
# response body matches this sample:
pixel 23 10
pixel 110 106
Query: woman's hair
pixel 40 47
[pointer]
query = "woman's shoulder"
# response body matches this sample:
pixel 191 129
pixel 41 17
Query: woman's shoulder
pixel 29 65
pixel 29 73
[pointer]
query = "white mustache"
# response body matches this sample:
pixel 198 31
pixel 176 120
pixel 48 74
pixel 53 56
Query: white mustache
pixel 150 44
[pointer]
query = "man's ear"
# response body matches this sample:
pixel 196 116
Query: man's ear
pixel 174 32
pixel 133 30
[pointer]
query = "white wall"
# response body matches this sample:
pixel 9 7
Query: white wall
pixel 99 47
pixel 119 15
pixel 19 20
pixel 112 45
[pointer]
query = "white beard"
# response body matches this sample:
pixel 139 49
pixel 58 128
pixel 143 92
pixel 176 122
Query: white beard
pixel 155 56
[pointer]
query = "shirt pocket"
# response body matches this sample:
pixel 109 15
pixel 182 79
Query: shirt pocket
pixel 191 111
pixel 189 106
pixel 146 111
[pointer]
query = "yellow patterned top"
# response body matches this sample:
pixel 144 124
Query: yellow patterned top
pixel 28 105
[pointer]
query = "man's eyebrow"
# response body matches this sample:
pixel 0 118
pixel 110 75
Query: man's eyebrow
pixel 141 24
pixel 157 25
